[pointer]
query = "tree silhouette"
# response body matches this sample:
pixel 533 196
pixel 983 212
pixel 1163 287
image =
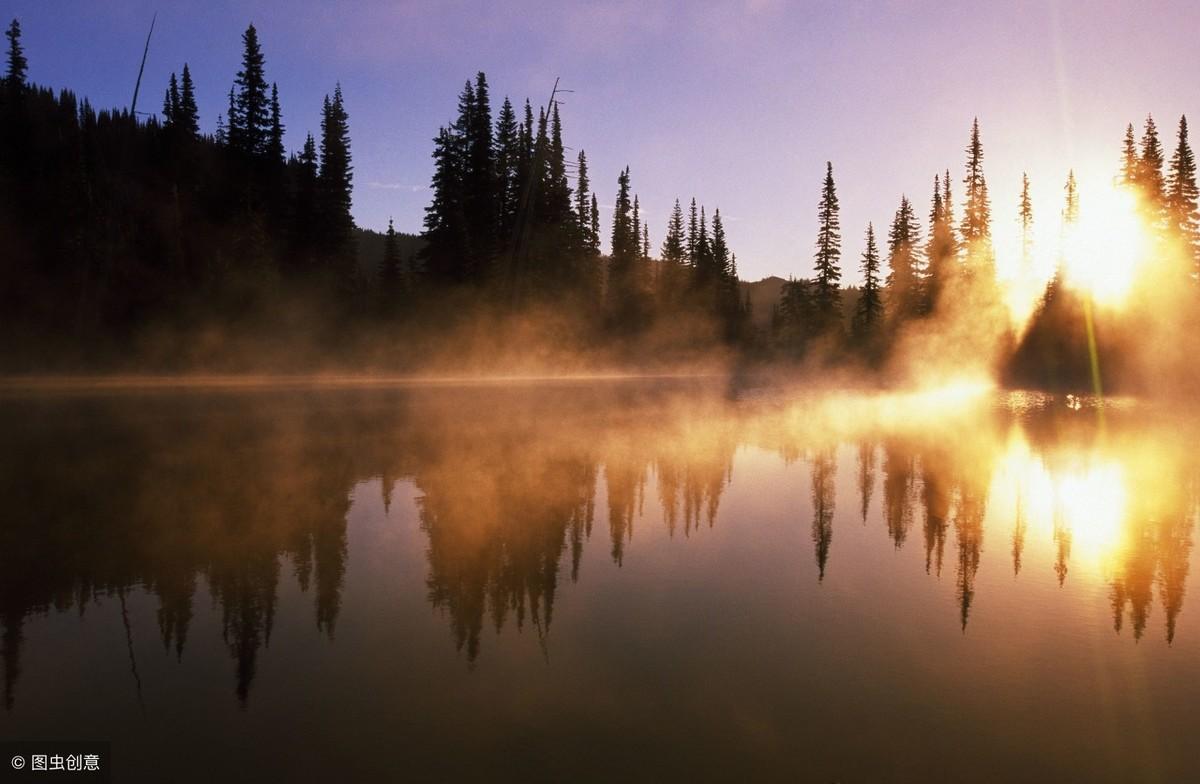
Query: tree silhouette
pixel 904 282
pixel 250 113
pixel 1181 199
pixel 826 288
pixel 976 228
pixel 18 66
pixel 869 310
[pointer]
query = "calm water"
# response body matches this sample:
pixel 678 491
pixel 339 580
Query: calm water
pixel 614 581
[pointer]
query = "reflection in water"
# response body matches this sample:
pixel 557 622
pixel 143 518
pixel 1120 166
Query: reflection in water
pixel 223 494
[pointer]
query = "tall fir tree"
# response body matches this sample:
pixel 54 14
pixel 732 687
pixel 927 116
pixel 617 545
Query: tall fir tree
pixel 390 274
pixel 693 234
pixel 623 292
pixel 868 313
pixel 904 281
pixel 1129 158
pixel 274 147
pixel 673 255
pixel 1150 176
pixel 976 227
pixel 582 202
pixel 480 181
pixel 171 103
pixel 334 184
pixel 594 237
pixel 18 66
pixel 939 250
pixel 253 110
pixel 189 114
pixel 1184 220
pixel 827 296
pixel 507 158
pixel 1025 218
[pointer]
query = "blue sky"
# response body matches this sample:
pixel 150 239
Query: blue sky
pixel 739 104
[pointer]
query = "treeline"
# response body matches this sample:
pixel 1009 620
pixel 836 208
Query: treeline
pixel 506 223
pixel 948 271
pixel 123 222
pixel 113 220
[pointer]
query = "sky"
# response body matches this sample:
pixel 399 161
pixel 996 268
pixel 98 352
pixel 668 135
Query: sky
pixel 738 104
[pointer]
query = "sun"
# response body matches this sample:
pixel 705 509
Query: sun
pixel 1103 251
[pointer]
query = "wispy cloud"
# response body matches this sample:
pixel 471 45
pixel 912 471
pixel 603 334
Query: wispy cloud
pixel 397 186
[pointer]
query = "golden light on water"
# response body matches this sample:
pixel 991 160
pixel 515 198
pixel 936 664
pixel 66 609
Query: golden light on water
pixel 1079 501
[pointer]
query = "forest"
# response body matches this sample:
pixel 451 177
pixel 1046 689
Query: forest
pixel 143 241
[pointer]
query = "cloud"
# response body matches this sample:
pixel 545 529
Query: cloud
pixel 397 186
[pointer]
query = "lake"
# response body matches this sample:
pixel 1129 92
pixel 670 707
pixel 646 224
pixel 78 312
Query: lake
pixel 602 580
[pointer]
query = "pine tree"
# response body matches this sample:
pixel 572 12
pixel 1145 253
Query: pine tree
pixel 17 64
pixel 1129 158
pixel 674 257
pixel 390 272
pixel 939 251
pixel 869 311
pixel 624 305
pixel 334 185
pixel 1182 213
pixel 480 184
pixel 904 282
pixel 1070 217
pixel 1025 217
pixel 693 234
pixel 274 147
pixel 233 125
pixel 189 115
pixel 637 225
pixel 1071 207
pixel 976 228
pixel 171 106
pixel 507 157
pixel 582 204
pixel 252 107
pixel 1150 167
pixel 445 251
pixel 594 235
pixel 826 288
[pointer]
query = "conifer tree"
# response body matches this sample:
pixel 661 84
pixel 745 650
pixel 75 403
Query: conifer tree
pixel 939 251
pixel 976 228
pixel 233 129
pixel 904 282
pixel 869 311
pixel 252 107
pixel 595 233
pixel 171 105
pixel 1025 217
pixel 17 64
pixel 507 157
pixel 189 115
pixel 582 202
pixel 390 272
pixel 479 177
pixel 637 225
pixel 1129 158
pixel 673 250
pixel 334 184
pixel 1150 175
pixel 274 147
pixel 826 288
pixel 1071 207
pixel 693 234
pixel 1184 220
pixel 1070 217
pixel 645 241
pixel 624 305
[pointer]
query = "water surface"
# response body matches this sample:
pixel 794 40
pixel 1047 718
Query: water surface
pixel 613 581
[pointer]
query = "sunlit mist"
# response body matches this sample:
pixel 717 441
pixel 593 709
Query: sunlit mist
pixel 1102 254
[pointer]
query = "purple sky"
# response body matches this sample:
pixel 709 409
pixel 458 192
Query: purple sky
pixel 738 103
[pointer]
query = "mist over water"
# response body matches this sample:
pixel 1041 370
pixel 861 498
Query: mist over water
pixel 653 578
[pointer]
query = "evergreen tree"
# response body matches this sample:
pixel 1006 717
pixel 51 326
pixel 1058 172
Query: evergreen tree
pixel 1070 217
pixel 1025 217
pixel 904 282
pixel 693 234
pixel 674 257
pixel 623 290
pixel 274 148
pixel 445 251
pixel 480 184
pixel 869 311
pixel 594 236
pixel 507 157
pixel 233 124
pixel 1071 207
pixel 390 273
pixel 939 251
pixel 17 64
pixel 189 115
pixel 976 228
pixel 582 202
pixel 637 225
pixel 1182 197
pixel 251 102
pixel 826 292
pixel 171 106
pixel 334 186
pixel 1129 158
pixel 1150 167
